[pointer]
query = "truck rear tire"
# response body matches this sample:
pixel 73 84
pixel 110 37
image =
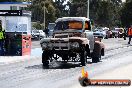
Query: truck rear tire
pixel 96 55
pixel 106 37
pixel 95 59
pixel 45 58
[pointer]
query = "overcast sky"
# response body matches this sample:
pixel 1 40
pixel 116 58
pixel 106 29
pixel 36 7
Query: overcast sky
pixel 123 0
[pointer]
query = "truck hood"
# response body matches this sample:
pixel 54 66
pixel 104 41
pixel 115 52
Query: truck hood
pixel 67 31
pixel 70 39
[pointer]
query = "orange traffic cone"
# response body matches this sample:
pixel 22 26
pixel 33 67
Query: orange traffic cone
pixel 84 74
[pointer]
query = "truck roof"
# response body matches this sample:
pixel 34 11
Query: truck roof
pixel 72 18
pixel 51 23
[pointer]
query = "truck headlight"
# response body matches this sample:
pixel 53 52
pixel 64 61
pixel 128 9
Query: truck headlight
pixel 75 45
pixel 44 45
pixel 47 46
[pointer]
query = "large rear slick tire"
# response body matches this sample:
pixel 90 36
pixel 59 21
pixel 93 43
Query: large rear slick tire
pixel 45 58
pixel 95 58
pixel 96 55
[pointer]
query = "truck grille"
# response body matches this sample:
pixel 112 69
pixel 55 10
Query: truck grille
pixel 62 36
pixel 62 43
pixel 61 46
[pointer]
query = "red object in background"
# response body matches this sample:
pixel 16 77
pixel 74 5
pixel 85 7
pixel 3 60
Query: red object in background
pixel 26 45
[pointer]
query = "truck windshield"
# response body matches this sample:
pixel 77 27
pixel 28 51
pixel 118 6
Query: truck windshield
pixel 51 26
pixel 69 25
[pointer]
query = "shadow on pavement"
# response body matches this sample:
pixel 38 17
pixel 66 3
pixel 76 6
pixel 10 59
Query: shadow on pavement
pixel 57 65
pixel 63 66
pixel 35 67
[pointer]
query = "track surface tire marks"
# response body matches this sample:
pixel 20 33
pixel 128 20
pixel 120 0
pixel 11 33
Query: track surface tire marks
pixel 31 74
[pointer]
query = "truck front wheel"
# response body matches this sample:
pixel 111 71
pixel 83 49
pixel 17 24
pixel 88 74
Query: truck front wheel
pixel 45 58
pixel 83 58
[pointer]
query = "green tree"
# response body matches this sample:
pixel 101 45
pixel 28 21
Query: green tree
pixel 126 14
pixel 103 12
pixel 37 9
pixel 78 8
pixel 61 10
pixel 37 25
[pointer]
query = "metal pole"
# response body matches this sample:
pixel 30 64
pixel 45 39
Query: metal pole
pixel 44 15
pixel 88 10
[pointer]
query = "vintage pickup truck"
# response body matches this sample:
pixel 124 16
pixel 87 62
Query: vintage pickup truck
pixel 72 40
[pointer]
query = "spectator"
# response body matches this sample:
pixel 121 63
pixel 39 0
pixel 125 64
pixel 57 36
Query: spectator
pixel 47 32
pixel 130 34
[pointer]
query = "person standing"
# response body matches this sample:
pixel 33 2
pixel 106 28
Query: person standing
pixel 46 32
pixel 2 38
pixel 130 34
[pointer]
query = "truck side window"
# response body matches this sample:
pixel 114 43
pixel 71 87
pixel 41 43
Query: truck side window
pixel 87 25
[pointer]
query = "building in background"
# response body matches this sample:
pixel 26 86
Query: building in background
pixel 14 5
pixel 16 21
